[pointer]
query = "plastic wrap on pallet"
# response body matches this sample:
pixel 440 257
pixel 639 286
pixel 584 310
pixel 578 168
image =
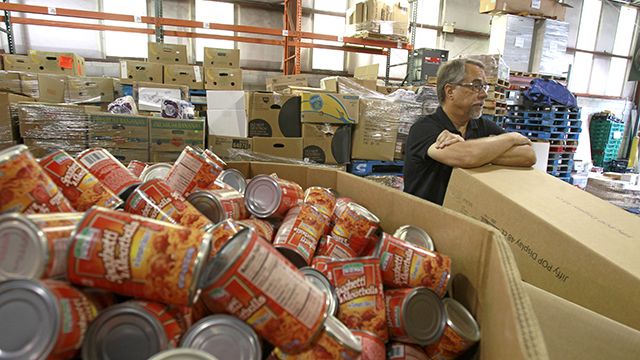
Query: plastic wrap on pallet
pixel 619 193
pixel 494 66
pixel 53 121
pixel 19 83
pixel 550 47
pixel 512 36
pixel 392 181
pixel 41 147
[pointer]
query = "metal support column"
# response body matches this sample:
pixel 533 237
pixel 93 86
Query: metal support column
pixel 159 30
pixel 9 30
pixel 292 26
pixel 412 33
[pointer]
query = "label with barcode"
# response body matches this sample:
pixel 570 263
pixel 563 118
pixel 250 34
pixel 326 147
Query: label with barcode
pixel 52 11
pixel 206 25
pixel 197 73
pixel 285 32
pixel 137 18
pixel 91 159
pixel 535 4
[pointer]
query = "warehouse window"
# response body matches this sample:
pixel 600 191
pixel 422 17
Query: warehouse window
pixel 587 32
pixel 330 5
pixel 327 59
pixel 122 44
pixel 214 12
pixel 428 12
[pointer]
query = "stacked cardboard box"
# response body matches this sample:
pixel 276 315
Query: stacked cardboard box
pixel 540 8
pixel 374 18
pixel 126 136
pixel 280 83
pixel 512 36
pixel 17 63
pixel 176 69
pixel 62 63
pixel 168 137
pixel 549 47
pixel 9 130
pixel 274 115
pixel 222 69
pixel 131 71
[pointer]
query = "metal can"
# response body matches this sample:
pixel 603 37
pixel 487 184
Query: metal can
pixel 406 265
pixel 35 246
pixel 155 199
pixel 102 299
pixel 111 173
pixel 193 171
pixel 156 171
pixel 182 354
pixel 137 256
pixel 218 205
pixel 224 337
pixel 320 263
pixel 234 178
pixel 414 316
pixel 402 351
pixel 339 208
pixel 320 281
pixel 137 327
pixel 42 319
pixel 254 282
pixel 322 198
pixel 460 334
pixel 415 236
pixel 25 187
pixel 373 347
pixel 334 248
pixel 358 284
pixel 215 158
pixel 222 233
pixel 263 227
pixel 267 196
pixel 357 227
pixel 299 233
pixel 137 167
pixel 80 187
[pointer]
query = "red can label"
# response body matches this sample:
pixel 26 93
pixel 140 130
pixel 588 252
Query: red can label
pixel 155 199
pixel 76 312
pixel 355 229
pixel 77 184
pixel 358 285
pixel 291 196
pixel 401 351
pixel 321 263
pixel 406 265
pixel 262 227
pixel 394 300
pixel 300 231
pixel 174 320
pixel 373 347
pixel 449 347
pixel 57 229
pixel 325 348
pixel 335 249
pixel 232 203
pixel 215 159
pixel 109 171
pixel 322 198
pixel 25 187
pixel 137 167
pixel 222 233
pixel 136 256
pixel 193 171
pixel 264 290
pixel 339 208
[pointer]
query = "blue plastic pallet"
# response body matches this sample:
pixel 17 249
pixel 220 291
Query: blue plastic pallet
pixel 560 174
pixel 548 128
pixel 515 120
pixel 542 135
pixel 561 155
pixel 544 108
pixel 559 162
pixel 376 167
pixel 566 179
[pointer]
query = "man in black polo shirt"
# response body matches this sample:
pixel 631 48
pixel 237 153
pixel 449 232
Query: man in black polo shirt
pixel 456 135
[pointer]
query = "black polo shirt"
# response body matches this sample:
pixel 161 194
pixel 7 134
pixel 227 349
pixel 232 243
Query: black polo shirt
pixel 423 176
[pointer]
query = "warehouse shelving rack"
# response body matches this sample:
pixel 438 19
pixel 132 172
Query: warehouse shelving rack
pixel 291 38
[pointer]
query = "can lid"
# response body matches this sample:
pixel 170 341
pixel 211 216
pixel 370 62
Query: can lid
pixel 234 178
pixel 183 354
pixel 12 151
pixel 321 282
pixel 30 320
pixel 263 196
pixel 124 331
pixel 225 337
pixel 416 236
pixel 25 251
pixel 208 205
pixel 225 258
pixel 461 320
pixel 424 316
pixel 156 171
pixel 361 210
pixel 341 333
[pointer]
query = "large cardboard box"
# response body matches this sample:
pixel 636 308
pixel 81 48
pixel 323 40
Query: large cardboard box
pixel 9 116
pixel 326 143
pixel 290 148
pixel 274 115
pixel 189 75
pixel 332 83
pixel 546 8
pixel 389 17
pixel 45 121
pixel 52 88
pixel 91 89
pixel 279 83
pixel 131 71
pixel 19 83
pixel 167 53
pixel 227 122
pixel 222 145
pixel 126 155
pixel 487 280
pixel 221 58
pixel 174 135
pixel 164 156
pixel 119 131
pixel 329 108
pixel 565 240
pixel 222 79
pixel 57 63
pixel 17 63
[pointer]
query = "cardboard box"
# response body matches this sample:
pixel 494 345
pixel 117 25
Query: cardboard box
pixel 221 58
pixel 126 155
pixel 131 71
pixel 150 95
pixel 221 145
pixel 51 88
pixel 41 147
pixel 90 89
pixel 512 36
pixel 290 148
pixel 326 144
pixel 222 79
pixel 119 131
pixel 19 83
pixel 274 115
pixel 546 8
pixel 565 240
pixel 189 75
pixel 164 156
pixel 227 122
pixel 332 83
pixel 329 108
pixel 573 332
pixel 279 83
pixel 167 53
pixel 227 100
pixel 57 63
pixel 44 121
pixel 489 282
pixel 388 17
pixel 17 63
pixel 9 117
pixel 174 135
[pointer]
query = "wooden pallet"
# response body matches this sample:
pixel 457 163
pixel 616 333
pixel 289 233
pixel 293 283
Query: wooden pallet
pixel 538 76
pixel 498 82
pixel 498 111
pixel 495 95
pixel 495 103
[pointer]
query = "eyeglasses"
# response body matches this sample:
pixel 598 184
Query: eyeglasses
pixel 476 86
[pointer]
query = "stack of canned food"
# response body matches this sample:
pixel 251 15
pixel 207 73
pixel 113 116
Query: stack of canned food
pixel 192 260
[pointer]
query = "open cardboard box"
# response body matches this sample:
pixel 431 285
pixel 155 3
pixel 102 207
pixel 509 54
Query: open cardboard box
pixel 487 280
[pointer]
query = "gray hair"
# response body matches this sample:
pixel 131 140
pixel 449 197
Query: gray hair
pixel 453 72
